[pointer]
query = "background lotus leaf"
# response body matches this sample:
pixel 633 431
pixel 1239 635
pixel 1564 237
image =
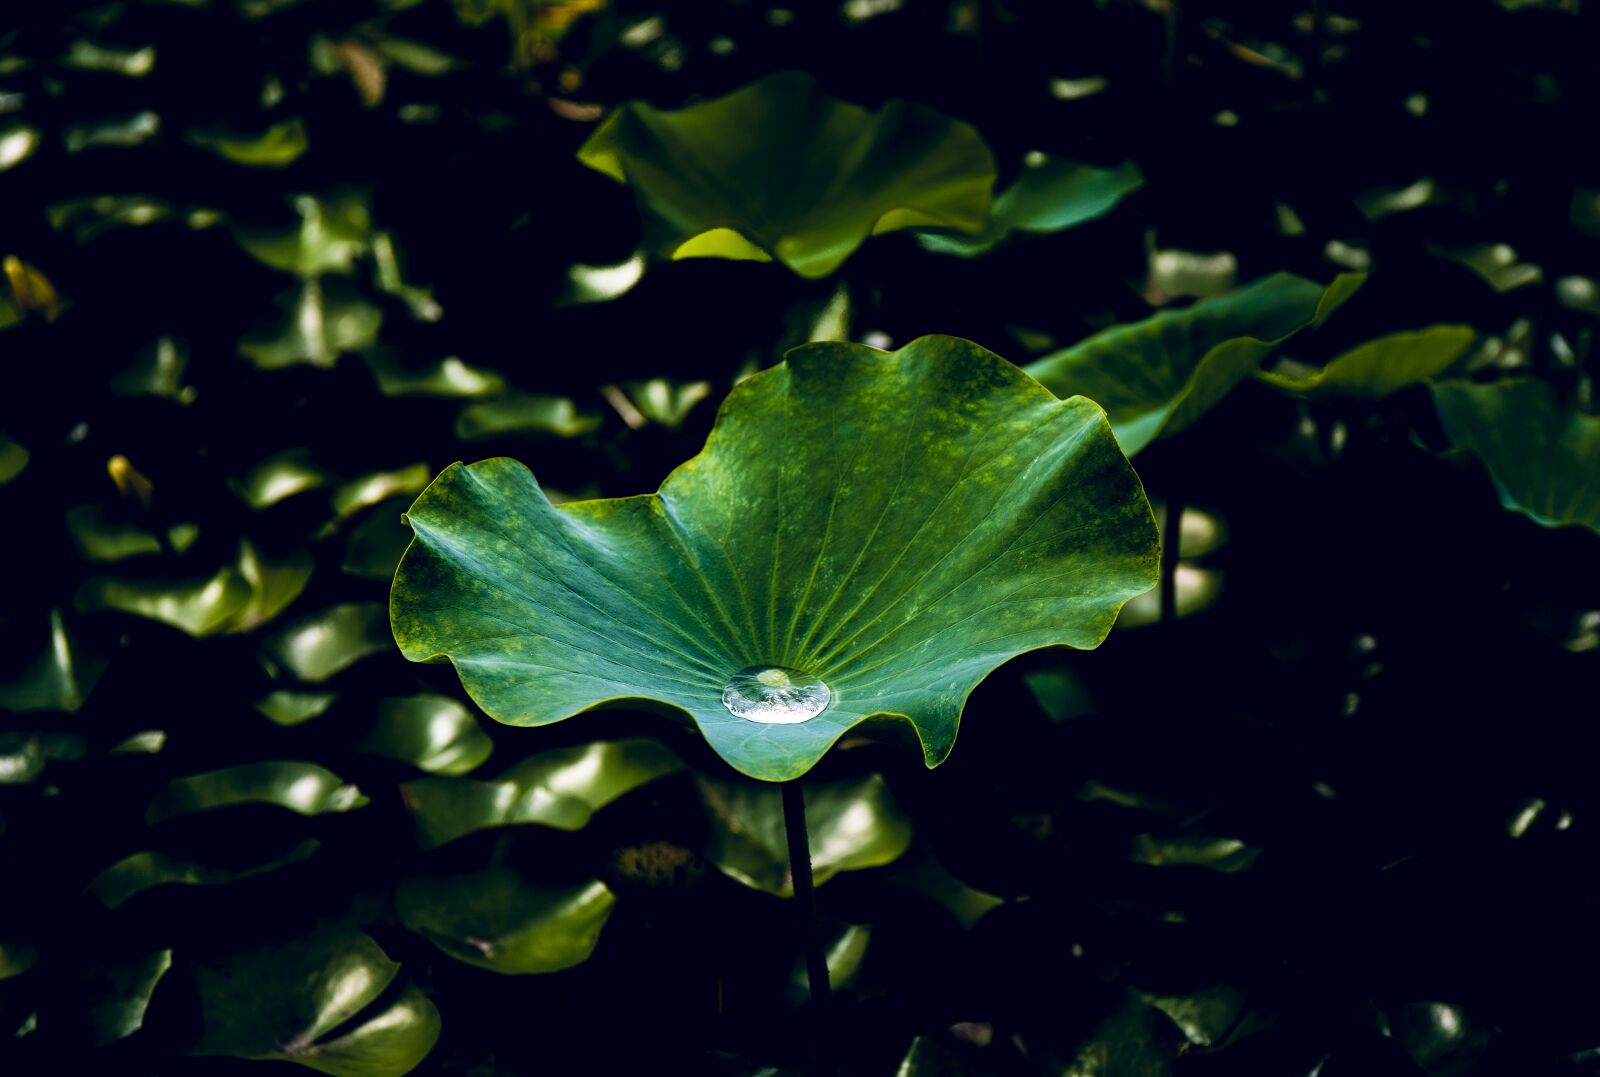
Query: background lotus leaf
pixel 896 524
pixel 778 169
pixel 1156 377
pixel 301 787
pixel 1540 451
pixel 1379 367
pixel 432 733
pixel 1050 194
pixel 139 872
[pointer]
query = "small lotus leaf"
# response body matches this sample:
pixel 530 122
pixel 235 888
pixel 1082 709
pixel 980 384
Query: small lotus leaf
pixel 287 707
pixel 896 524
pixel 1050 194
pixel 115 996
pixel 523 413
pixel 851 824
pixel 561 788
pixel 1156 377
pixel 448 377
pixel 301 787
pixel 1379 367
pixel 317 646
pixel 284 1001
pixel 778 169
pixel 237 598
pixel 277 147
pixel 59 677
pixel 432 733
pixel 498 920
pixel 139 872
pixel 1540 451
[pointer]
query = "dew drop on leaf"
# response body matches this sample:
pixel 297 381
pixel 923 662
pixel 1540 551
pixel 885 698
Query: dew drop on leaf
pixel 775 695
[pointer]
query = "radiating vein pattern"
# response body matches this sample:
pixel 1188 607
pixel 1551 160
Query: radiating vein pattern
pixel 895 524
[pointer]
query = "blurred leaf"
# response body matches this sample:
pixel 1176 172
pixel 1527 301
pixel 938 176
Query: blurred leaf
pixel 277 147
pixel 16 958
pixel 360 493
pixel 317 646
pixel 1381 202
pixel 1495 263
pixel 1204 1017
pixel 278 477
pixel 1135 1040
pixel 1197 590
pixel 91 217
pixel 1156 377
pixel 127 130
pixel 844 948
pixel 100 535
pixel 1379 367
pixel 432 733
pixel 289 708
pixel 665 403
pixel 13 458
pixel 1050 194
pixel 85 55
pixel 286 1001
pixel 561 788
pixel 498 920
pixel 635 598
pixel 1060 693
pixel 923 876
pixel 448 377
pixel 1585 211
pixel 137 873
pixel 31 291
pixel 377 541
pixel 17 143
pixel 60 678
pixel 1540 451
pixel 330 235
pixel 523 413
pixel 852 824
pixel 1174 274
pixel 158 371
pixel 237 598
pixel 1439 1036
pixel 1227 855
pixel 1579 293
pixel 602 283
pixel 315 325
pixel 301 787
pixel 388 280
pixel 114 997
pixel 778 169
pixel 23 755
pixel 144 742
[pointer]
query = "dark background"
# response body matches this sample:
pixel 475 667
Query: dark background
pixel 1393 669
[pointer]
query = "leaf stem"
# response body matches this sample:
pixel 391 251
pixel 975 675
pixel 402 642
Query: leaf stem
pixel 1171 536
pixel 794 825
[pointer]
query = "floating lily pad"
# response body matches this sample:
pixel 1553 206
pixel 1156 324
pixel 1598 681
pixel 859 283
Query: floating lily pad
pixel 498 920
pixel 301 787
pixel 59 678
pixel 139 872
pixel 562 788
pixel 852 824
pixel 1050 194
pixel 1540 451
pixel 432 733
pixel 285 1002
pixel 897 525
pixel 1379 367
pixel 1156 377
pixel 317 646
pixel 778 169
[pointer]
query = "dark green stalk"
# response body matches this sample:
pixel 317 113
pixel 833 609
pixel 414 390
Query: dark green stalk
pixel 1171 533
pixel 805 893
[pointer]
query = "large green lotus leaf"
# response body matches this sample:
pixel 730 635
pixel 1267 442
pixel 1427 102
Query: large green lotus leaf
pixel 59 676
pixel 897 524
pixel 1050 194
pixel 778 169
pixel 114 997
pixel 851 825
pixel 1156 377
pixel 562 788
pixel 139 872
pixel 432 733
pixel 284 1002
pixel 1543 455
pixel 318 645
pixel 301 787
pixel 237 598
pixel 499 920
pixel 1379 367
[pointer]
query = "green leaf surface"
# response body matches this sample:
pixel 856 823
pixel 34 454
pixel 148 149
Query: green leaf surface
pixel 16 958
pixel 300 787
pixel 115 996
pixel 59 676
pixel 286 707
pixel 366 491
pixel 277 147
pixel 498 920
pixel 1156 377
pixel 329 236
pixel 13 458
pixel 852 824
pixel 314 324
pixel 778 169
pixel 285 1001
pixel 278 478
pixel 896 524
pixel 523 413
pixel 23 755
pixel 1227 855
pixel 1540 451
pixel 561 788
pixel 317 646
pixel 237 598
pixel 449 377
pixel 1379 367
pixel 1050 194
pixel 141 871
pixel 432 733
pixel 102 535
pixel 378 541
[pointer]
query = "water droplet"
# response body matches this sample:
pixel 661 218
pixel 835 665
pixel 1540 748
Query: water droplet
pixel 775 695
